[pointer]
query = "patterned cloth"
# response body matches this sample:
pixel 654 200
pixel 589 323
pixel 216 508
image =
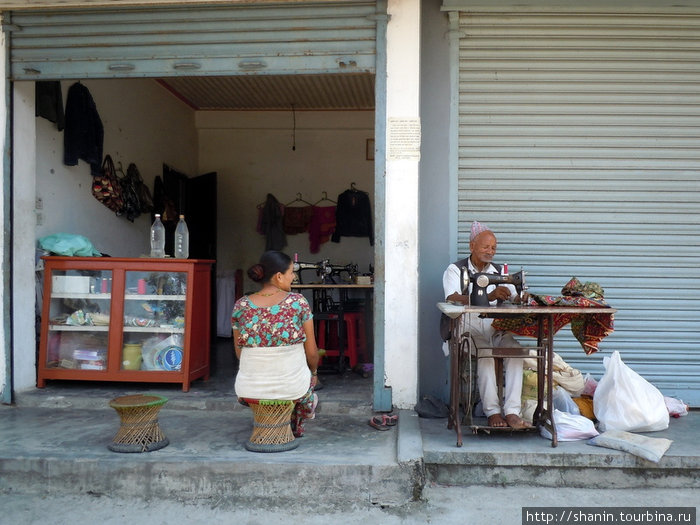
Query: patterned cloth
pixel 278 325
pixel 297 219
pixel 589 330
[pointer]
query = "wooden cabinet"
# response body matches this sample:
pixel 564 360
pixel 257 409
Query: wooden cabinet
pixel 118 319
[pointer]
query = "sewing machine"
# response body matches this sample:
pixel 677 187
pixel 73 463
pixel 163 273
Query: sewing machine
pixel 350 269
pixel 322 269
pixel 481 281
pixel 325 270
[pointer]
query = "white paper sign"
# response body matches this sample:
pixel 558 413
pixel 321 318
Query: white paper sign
pixel 404 137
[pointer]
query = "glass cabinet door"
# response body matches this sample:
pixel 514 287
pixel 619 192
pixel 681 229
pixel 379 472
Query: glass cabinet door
pixel 154 320
pixel 78 328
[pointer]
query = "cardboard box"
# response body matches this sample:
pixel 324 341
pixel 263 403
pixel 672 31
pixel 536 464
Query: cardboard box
pixel 70 284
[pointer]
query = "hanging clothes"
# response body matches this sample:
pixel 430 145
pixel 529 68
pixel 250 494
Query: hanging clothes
pixel 49 102
pixel 321 227
pixel 84 134
pixel 353 216
pixel 271 224
pixel 297 219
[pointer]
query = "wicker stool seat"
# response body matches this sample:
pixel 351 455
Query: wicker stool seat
pixel 272 431
pixel 139 430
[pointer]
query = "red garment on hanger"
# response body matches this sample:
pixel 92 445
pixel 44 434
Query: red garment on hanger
pixel 321 227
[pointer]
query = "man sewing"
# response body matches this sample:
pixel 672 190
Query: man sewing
pixel 482 245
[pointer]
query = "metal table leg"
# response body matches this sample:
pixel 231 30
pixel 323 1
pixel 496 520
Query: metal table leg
pixel 455 380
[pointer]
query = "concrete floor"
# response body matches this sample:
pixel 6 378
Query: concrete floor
pixel 54 442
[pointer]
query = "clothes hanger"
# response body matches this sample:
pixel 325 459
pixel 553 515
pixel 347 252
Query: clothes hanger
pixel 324 198
pixel 299 199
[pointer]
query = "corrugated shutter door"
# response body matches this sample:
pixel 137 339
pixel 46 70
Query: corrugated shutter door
pixel 579 144
pixel 337 37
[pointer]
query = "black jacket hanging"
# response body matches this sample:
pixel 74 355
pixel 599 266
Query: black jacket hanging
pixel 353 216
pixel 84 134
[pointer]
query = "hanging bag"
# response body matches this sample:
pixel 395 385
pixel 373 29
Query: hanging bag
pixel 142 191
pixel 106 187
pixel 129 183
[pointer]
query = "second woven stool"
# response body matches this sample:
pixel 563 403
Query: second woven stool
pixel 272 430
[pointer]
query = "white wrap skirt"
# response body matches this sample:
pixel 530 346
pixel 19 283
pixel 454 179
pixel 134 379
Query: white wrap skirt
pixel 273 372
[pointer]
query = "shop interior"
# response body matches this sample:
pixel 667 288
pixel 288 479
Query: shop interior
pixel 217 150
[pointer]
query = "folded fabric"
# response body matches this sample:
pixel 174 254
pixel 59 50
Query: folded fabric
pixel 589 330
pixel 649 448
pixel 68 244
pixel 564 374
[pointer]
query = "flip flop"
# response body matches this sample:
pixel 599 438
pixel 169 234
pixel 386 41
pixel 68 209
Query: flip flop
pixel 390 420
pixel 378 423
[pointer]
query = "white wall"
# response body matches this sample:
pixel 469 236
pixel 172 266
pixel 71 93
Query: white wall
pixel 252 154
pixel 143 124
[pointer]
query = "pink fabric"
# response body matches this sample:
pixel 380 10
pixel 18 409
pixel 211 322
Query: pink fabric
pixel 321 227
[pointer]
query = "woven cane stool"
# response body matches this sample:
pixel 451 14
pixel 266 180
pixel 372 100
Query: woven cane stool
pixel 272 430
pixel 139 430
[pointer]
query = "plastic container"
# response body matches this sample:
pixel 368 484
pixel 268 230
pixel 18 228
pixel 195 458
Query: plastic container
pixel 182 239
pixel 131 356
pixel 157 238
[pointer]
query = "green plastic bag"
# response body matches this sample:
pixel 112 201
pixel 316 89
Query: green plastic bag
pixel 68 244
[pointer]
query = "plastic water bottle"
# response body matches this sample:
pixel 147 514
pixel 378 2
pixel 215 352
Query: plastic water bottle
pixel 157 238
pixel 182 239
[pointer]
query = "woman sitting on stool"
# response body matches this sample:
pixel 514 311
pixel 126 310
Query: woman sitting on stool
pixel 273 335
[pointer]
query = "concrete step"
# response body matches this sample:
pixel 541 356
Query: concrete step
pixel 341 460
pixel 519 459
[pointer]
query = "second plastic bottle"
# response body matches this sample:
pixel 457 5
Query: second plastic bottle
pixel 182 239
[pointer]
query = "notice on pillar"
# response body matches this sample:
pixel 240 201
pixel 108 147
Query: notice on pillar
pixel 404 137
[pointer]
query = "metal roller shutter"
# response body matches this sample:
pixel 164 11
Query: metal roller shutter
pixel 337 37
pixel 579 143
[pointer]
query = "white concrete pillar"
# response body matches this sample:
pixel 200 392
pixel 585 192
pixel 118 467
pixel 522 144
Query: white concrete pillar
pixel 401 206
pixel 4 263
pixel 23 236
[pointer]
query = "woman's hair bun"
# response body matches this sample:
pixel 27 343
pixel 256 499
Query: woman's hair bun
pixel 256 272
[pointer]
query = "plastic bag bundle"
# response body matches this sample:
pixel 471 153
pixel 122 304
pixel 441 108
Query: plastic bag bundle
pixel 626 401
pixel 570 427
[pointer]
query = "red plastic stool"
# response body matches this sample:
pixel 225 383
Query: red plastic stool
pixel 352 319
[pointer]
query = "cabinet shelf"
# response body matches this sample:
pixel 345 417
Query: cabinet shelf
pixel 73 328
pixel 143 297
pixel 176 350
pixel 74 295
pixel 154 329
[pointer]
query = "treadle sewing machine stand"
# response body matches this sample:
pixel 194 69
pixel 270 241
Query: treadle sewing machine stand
pixel 543 415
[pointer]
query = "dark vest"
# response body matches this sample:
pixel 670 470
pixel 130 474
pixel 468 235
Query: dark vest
pixel 462 264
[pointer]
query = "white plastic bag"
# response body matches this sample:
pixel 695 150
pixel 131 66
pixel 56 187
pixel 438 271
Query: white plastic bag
pixel 626 401
pixel 589 386
pixel 570 427
pixel 561 400
pixel 676 407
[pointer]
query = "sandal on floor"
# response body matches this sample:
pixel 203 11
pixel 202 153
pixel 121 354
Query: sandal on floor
pixel 378 423
pixel 390 419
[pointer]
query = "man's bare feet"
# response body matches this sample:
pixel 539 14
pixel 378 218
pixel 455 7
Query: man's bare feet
pixel 516 422
pixel 496 420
